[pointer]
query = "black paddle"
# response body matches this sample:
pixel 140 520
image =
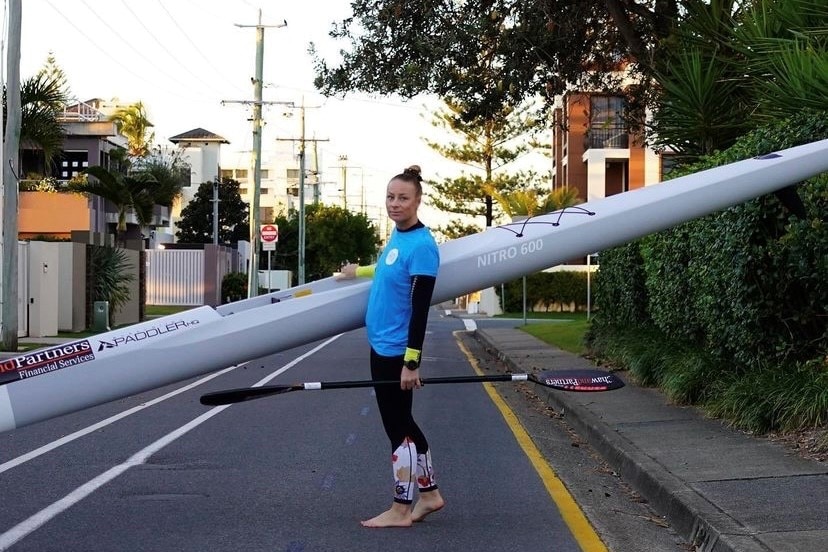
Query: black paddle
pixel 565 380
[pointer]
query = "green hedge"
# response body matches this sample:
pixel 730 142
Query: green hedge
pixel 746 288
pixel 547 288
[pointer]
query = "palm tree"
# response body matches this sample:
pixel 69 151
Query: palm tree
pixel 132 122
pixel 42 99
pixel 170 171
pixel 129 194
pixel 529 202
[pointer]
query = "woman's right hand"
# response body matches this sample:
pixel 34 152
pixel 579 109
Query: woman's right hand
pixel 346 272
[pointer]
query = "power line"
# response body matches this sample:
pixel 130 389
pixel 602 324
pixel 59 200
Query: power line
pixel 196 48
pixel 105 52
pixel 163 48
pixel 131 47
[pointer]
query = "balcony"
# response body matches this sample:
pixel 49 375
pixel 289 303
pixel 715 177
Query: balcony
pixel 607 138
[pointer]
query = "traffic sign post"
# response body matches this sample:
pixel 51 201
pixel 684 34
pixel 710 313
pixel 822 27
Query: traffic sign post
pixel 269 234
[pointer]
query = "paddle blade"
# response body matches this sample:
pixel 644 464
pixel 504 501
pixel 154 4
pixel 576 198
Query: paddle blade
pixel 578 380
pixel 232 396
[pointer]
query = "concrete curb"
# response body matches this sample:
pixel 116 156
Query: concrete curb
pixel 693 517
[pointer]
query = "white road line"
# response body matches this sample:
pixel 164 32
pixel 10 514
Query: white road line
pixel 34 522
pixel 13 463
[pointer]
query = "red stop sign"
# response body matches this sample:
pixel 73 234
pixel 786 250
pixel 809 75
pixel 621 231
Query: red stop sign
pixel 270 233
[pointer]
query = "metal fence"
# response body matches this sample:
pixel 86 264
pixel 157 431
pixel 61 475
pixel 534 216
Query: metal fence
pixel 175 277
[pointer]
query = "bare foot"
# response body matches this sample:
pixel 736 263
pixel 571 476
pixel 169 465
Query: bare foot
pixel 428 503
pixel 394 517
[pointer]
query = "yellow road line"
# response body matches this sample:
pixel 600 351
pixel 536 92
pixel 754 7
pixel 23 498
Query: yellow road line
pixel 573 516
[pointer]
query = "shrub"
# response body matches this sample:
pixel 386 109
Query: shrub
pixel 545 290
pixel 108 277
pixel 233 287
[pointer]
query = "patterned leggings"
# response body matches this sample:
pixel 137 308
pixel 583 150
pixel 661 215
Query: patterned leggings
pixel 410 457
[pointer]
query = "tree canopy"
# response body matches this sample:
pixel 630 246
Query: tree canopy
pixel 133 123
pixel 129 193
pixel 333 235
pixel 491 53
pixel 42 98
pixel 487 145
pixel 196 224
pixel 170 171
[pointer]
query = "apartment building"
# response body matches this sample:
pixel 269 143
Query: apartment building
pixel 279 182
pixel 594 150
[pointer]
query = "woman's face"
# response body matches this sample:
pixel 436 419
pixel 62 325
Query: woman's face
pixel 401 202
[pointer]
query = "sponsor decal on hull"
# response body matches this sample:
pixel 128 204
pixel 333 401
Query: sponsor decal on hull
pixel 139 336
pixel 44 361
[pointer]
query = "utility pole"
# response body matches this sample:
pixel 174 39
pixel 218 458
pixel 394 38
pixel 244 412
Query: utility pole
pixel 253 275
pixel 344 168
pixel 11 145
pixel 216 201
pixel 315 173
pixel 344 159
pixel 302 140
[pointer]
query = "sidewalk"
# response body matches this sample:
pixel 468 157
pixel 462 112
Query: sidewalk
pixel 720 489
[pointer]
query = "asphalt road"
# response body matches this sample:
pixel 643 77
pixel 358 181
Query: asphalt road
pixel 296 472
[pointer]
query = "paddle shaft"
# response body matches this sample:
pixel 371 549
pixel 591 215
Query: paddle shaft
pixel 239 395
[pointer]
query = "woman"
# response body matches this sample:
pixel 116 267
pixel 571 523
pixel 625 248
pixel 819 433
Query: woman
pixel 398 304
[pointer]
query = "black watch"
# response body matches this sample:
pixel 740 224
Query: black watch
pixel 412 364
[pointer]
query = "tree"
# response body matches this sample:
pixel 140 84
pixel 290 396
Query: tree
pixel 196 224
pixel 536 48
pixel 54 73
pixel 457 229
pixel 132 122
pixel 529 202
pixel 41 102
pixel 170 171
pixel 733 66
pixel 488 143
pixel 128 193
pixel 333 235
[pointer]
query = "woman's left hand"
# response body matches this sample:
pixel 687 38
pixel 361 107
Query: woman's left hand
pixel 410 379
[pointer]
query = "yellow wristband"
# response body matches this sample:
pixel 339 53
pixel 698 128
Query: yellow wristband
pixel 412 354
pixel 365 271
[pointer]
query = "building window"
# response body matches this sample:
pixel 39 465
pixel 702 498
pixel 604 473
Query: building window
pixel 264 191
pixel 72 164
pixel 227 173
pixel 242 191
pixel 293 173
pixel 241 173
pixel 607 128
pixel 264 173
pixel 668 163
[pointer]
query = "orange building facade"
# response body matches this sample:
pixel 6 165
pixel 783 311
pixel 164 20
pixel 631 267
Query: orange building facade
pixel 52 214
pixel 594 150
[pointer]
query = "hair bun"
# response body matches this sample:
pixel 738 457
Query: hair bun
pixel 414 170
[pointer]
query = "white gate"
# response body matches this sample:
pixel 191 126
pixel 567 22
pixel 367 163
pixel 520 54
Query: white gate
pixel 175 277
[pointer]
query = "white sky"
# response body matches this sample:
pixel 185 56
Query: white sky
pixel 183 57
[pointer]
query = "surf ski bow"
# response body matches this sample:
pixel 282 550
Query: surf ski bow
pixel 55 381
